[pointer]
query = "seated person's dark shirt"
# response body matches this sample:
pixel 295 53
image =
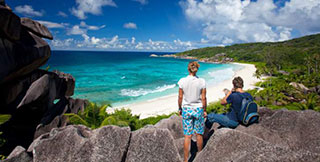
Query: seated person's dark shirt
pixel 235 100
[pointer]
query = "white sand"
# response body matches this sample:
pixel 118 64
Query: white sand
pixel 169 104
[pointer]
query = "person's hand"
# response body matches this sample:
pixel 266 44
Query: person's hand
pixel 180 112
pixel 205 114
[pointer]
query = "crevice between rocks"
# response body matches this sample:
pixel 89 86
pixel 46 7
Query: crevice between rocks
pixel 124 157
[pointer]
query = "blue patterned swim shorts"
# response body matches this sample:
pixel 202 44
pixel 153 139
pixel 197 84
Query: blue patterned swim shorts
pixel 192 120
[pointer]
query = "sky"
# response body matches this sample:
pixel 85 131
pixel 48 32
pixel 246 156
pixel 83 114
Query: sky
pixel 169 25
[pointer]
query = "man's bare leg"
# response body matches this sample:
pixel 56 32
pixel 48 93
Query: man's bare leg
pixel 187 142
pixel 199 142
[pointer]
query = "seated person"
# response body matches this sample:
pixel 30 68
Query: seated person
pixel 234 98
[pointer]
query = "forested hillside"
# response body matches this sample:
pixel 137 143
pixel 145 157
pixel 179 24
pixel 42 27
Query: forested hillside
pixel 292 52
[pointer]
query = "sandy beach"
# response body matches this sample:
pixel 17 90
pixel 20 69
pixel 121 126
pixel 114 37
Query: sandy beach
pixel 169 104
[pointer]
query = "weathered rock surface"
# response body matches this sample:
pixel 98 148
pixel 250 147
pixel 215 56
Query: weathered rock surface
pixel 294 129
pixel 19 154
pixel 173 124
pixel 232 145
pixel 50 86
pixel 10 23
pixel 78 143
pixel 43 88
pixel 21 51
pixel 14 91
pixel 22 57
pixel 54 117
pixel 36 28
pixel 150 144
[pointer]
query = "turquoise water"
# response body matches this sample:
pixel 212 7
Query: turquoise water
pixel 125 77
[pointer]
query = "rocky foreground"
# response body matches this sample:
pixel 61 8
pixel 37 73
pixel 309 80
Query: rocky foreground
pixel 281 135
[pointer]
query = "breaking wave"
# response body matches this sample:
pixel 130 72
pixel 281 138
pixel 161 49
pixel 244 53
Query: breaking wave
pixel 143 92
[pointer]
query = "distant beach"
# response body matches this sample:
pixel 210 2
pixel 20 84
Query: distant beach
pixel 168 104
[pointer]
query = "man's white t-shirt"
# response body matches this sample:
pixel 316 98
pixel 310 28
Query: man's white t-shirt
pixel 192 87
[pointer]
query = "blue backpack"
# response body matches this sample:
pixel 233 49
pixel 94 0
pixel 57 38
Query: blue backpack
pixel 249 111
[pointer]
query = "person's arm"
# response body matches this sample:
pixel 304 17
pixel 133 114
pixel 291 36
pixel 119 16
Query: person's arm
pixel 224 100
pixel 180 100
pixel 204 100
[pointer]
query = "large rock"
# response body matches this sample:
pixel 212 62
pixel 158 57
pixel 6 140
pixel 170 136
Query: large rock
pixel 10 23
pixel 13 92
pixel 294 129
pixel 36 28
pixel 173 124
pixel 232 145
pixel 79 144
pixel 151 144
pixel 22 57
pixel 19 154
pixel 42 89
pixel 265 113
pixel 54 118
pixel 30 100
pixel 65 83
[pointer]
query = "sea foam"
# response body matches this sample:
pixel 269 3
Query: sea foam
pixel 143 92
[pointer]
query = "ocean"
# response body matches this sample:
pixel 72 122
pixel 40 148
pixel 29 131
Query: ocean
pixel 121 78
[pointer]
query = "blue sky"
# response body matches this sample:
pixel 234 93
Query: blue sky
pixel 169 25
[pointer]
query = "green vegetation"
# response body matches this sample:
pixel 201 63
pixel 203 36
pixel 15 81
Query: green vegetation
pixel 95 116
pixel 296 60
pixel 3 118
pixel 217 108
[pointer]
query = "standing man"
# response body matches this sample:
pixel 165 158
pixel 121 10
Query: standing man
pixel 192 103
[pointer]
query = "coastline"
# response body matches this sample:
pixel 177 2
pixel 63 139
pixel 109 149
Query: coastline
pixel 168 104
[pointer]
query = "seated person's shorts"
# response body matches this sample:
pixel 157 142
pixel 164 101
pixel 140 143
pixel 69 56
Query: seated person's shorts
pixel 192 120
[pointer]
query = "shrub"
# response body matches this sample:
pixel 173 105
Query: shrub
pixel 95 116
pixel 217 108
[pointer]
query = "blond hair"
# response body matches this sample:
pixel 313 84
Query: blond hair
pixel 193 66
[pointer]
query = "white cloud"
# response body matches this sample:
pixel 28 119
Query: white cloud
pixel 143 2
pixel 57 43
pixel 49 24
pixel 133 40
pixel 181 43
pixel 236 21
pixel 114 39
pixel 91 27
pixel 27 10
pixel 60 13
pixel 204 41
pixel 82 28
pixel 76 30
pixel 90 6
pixel 130 25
